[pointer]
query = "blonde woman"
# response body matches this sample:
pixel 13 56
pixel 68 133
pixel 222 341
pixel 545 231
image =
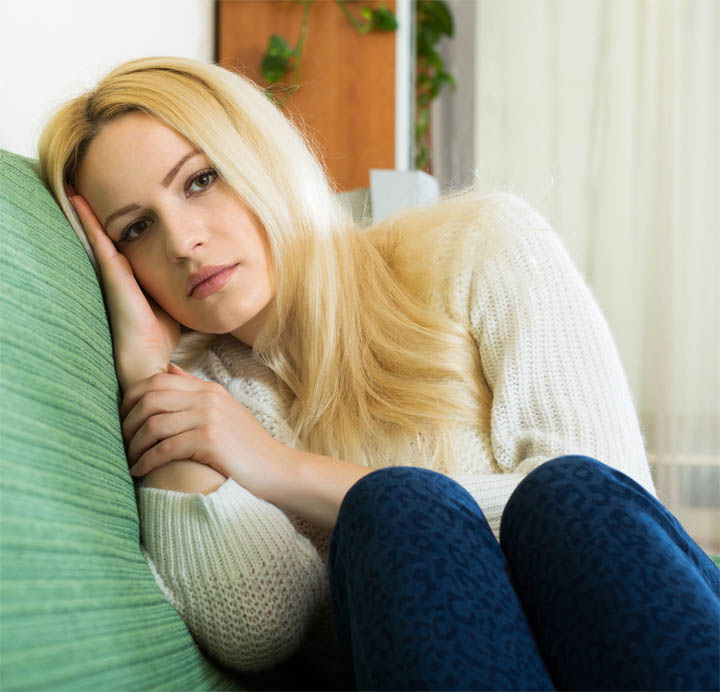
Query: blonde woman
pixel 422 428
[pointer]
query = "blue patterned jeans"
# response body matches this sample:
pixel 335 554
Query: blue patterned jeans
pixel 594 585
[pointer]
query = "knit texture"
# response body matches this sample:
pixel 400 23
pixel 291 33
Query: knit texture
pixel 251 581
pixel 220 549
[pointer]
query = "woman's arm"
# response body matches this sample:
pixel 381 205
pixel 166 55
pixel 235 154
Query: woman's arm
pixel 311 486
pixel 548 355
pixel 185 477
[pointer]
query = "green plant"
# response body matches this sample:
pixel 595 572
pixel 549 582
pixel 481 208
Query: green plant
pixel 433 21
pixel 280 57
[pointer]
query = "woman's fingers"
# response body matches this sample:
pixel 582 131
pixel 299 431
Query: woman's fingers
pixel 117 274
pixel 161 381
pixel 177 448
pixel 152 405
pixel 160 427
pixel 101 242
pixel 156 395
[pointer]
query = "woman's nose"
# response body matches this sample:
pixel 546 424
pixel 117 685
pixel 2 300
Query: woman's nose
pixel 183 235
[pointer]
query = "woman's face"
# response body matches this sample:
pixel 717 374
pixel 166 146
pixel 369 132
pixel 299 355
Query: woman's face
pixel 165 209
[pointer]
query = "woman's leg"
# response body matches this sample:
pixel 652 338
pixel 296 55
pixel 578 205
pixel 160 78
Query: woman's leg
pixel 421 591
pixel 619 597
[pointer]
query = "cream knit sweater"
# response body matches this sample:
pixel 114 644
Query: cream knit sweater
pixel 251 582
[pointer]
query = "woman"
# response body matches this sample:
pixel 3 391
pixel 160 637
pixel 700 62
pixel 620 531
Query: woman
pixel 431 412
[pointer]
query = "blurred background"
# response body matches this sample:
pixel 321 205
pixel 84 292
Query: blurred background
pixel 604 114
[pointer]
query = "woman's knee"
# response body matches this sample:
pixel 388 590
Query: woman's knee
pixel 555 493
pixel 568 494
pixel 404 490
pixel 401 501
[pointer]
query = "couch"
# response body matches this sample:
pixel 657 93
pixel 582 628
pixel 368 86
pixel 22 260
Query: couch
pixel 80 609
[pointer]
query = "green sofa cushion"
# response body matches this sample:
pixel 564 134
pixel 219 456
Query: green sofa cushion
pixel 80 608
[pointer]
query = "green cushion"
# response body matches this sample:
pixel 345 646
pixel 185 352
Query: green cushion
pixel 80 608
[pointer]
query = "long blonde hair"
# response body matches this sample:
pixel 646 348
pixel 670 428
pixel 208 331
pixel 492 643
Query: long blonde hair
pixel 370 371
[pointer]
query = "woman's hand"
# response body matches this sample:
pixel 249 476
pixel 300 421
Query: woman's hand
pixel 144 335
pixel 177 416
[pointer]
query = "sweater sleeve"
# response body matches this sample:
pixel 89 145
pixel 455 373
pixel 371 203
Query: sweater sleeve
pixel 244 580
pixel 548 356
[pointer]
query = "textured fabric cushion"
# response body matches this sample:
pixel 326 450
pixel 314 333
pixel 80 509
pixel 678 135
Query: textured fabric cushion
pixel 80 608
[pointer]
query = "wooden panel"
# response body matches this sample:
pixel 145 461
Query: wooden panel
pixel 347 94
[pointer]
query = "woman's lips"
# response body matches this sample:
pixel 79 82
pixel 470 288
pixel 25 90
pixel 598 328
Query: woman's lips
pixel 204 273
pixel 213 284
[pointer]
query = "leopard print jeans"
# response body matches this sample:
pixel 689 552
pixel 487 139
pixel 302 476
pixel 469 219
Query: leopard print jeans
pixel 594 585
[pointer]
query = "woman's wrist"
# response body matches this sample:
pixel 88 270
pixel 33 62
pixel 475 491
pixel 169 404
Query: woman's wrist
pixel 312 486
pixel 130 376
pixel 185 476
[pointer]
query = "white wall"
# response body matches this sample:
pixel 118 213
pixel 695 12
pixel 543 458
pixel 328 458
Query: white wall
pixel 51 50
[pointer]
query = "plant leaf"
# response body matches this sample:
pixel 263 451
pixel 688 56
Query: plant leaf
pixel 437 14
pixel 273 67
pixel 427 37
pixel 383 20
pixel 434 60
pixel 446 78
pixel 276 61
pixel 277 45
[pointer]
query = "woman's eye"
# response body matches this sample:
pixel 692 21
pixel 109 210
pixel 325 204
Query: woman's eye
pixel 138 227
pixel 202 180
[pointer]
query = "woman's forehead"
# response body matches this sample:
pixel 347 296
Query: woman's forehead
pixel 133 143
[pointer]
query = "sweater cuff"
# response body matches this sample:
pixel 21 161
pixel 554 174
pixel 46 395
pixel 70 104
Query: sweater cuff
pixel 236 570
pixel 169 519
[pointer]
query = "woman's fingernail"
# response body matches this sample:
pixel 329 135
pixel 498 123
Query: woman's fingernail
pixel 134 470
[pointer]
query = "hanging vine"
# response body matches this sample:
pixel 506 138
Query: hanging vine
pixel 434 21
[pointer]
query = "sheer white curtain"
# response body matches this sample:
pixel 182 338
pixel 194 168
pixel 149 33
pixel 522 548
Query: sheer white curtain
pixel 605 114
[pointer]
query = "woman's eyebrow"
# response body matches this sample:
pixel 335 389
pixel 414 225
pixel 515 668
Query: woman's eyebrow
pixel 169 177
pixel 166 181
pixel 120 212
